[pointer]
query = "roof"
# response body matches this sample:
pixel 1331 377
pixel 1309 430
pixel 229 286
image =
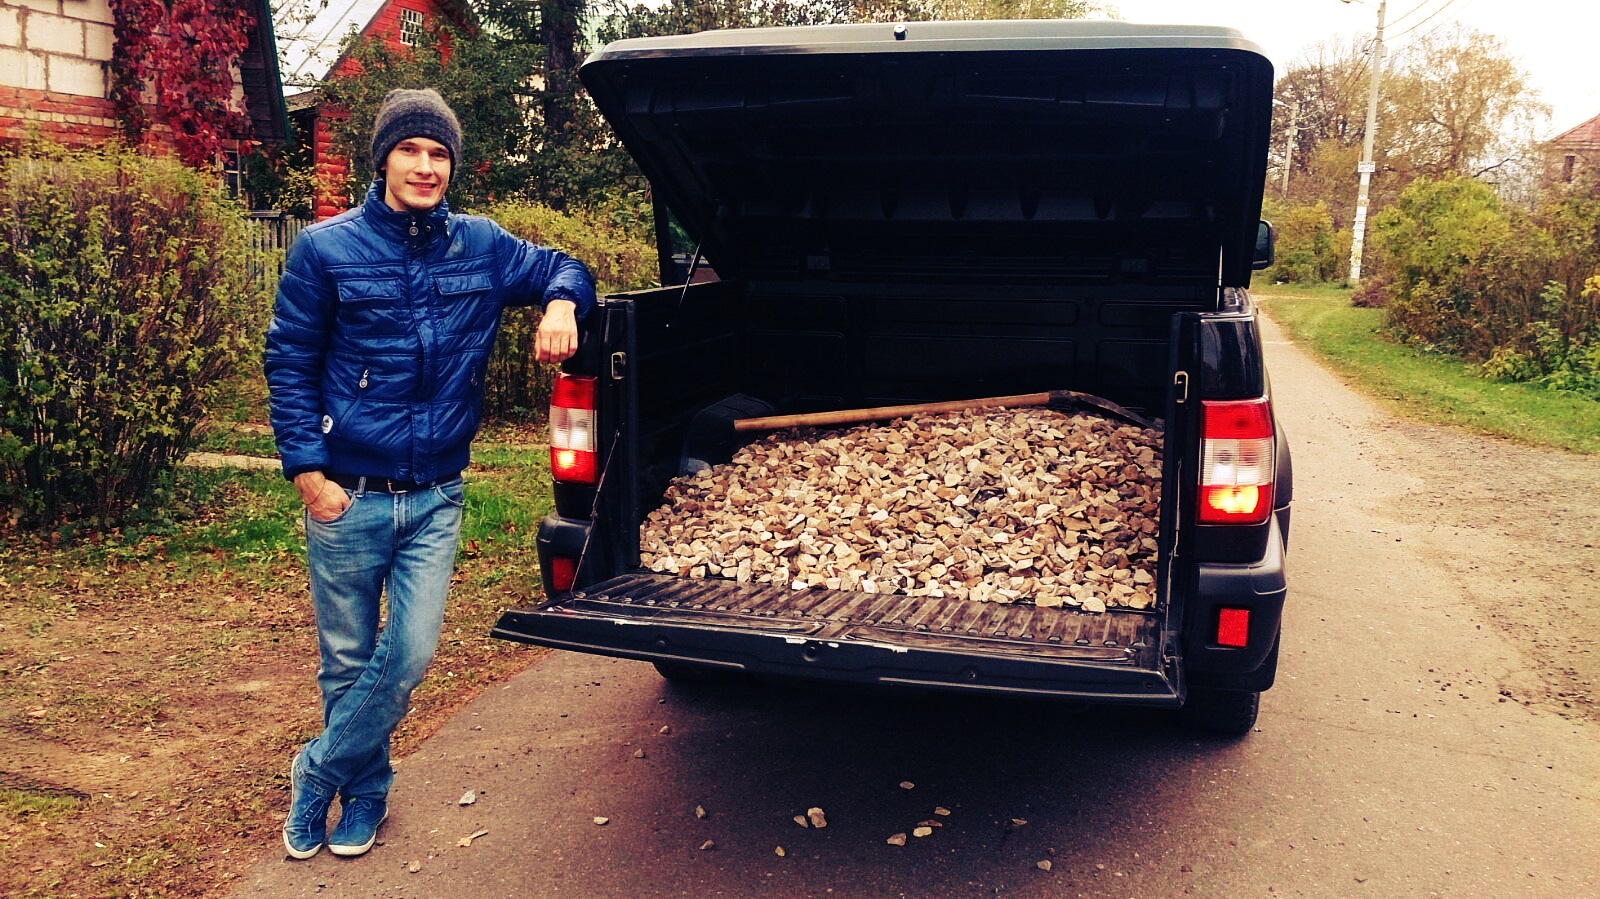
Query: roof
pixel 258 71
pixel 1585 136
pixel 311 34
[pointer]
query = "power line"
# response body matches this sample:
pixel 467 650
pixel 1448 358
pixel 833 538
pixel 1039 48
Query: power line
pixel 1402 17
pixel 1447 5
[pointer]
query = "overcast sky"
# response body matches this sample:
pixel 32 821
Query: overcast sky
pixel 1554 41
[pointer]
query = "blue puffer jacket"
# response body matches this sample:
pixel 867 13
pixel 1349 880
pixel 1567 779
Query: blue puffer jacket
pixel 376 354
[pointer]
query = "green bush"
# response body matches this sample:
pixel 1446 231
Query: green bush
pixel 1440 248
pixel 518 386
pixel 1309 249
pixel 125 298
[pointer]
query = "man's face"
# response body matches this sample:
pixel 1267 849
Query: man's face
pixel 416 174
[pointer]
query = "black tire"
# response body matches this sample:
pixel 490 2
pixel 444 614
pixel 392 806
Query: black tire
pixel 1230 713
pixel 684 673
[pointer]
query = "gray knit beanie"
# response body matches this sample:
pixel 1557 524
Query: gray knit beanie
pixel 408 113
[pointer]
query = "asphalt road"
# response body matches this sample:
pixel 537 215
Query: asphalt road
pixel 1432 733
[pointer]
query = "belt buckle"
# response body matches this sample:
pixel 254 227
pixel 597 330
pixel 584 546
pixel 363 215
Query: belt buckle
pixel 390 483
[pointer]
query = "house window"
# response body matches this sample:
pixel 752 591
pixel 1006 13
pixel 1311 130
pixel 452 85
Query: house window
pixel 410 27
pixel 1567 167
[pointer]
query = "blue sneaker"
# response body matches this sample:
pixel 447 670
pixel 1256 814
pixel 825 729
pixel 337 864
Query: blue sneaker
pixel 358 826
pixel 307 825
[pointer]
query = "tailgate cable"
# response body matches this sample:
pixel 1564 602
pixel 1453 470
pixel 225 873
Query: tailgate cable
pixel 694 263
pixel 595 508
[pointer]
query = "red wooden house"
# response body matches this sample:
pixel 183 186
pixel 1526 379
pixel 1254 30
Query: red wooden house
pixel 310 35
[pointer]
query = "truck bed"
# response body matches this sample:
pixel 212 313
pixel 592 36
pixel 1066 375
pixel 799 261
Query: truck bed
pixel 835 634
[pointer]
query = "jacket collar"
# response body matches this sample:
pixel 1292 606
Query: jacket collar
pixel 397 225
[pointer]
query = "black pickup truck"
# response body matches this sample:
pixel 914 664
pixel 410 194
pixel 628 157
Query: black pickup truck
pixel 916 212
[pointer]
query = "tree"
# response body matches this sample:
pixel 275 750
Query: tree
pixel 1457 103
pixel 1322 101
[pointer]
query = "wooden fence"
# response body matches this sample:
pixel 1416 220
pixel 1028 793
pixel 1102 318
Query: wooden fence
pixel 271 233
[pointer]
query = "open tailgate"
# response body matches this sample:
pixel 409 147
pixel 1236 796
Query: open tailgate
pixel 843 636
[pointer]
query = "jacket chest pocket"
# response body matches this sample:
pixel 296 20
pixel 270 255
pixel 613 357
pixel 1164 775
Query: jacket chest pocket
pixel 373 308
pixel 466 303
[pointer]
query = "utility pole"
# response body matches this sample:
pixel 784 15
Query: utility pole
pixel 1288 151
pixel 1366 167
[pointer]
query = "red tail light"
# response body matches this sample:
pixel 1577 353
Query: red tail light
pixel 572 429
pixel 1236 462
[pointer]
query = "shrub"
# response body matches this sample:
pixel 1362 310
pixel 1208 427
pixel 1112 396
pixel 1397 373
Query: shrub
pixel 125 298
pixel 1309 249
pixel 518 386
pixel 1436 247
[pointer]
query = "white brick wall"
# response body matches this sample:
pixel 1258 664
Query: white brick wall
pixel 53 34
pixel 82 77
pixel 49 6
pixel 57 45
pixel 97 41
pixel 23 70
pixel 10 27
pixel 91 10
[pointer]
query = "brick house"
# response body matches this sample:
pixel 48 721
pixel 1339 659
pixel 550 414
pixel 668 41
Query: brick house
pixel 310 36
pixel 1573 150
pixel 54 57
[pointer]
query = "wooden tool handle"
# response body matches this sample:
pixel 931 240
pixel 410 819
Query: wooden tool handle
pixel 881 413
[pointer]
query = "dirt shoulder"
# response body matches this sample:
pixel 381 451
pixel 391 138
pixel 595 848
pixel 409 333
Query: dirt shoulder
pixel 150 699
pixel 1513 525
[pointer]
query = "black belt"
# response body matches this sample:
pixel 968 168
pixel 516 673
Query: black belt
pixel 383 485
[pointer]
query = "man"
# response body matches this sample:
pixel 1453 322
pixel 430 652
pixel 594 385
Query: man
pixel 375 360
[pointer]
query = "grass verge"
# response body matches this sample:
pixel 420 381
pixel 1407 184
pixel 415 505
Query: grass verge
pixel 1426 386
pixel 155 681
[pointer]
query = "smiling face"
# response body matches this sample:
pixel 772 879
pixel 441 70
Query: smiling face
pixel 415 175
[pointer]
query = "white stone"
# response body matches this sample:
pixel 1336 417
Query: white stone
pixel 53 34
pixel 10 28
pixel 93 10
pixel 76 76
pixel 30 65
pixel 97 41
pixel 53 6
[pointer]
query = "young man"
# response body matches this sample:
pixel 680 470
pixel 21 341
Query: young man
pixel 375 360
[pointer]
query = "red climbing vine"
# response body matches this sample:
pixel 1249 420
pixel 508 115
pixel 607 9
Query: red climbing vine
pixel 177 58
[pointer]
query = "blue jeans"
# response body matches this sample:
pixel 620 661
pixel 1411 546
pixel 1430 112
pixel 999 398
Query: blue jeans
pixel 407 543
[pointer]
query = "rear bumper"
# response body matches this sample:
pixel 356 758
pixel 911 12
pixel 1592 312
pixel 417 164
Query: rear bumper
pixel 1260 587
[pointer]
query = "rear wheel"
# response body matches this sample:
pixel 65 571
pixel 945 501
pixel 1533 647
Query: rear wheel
pixel 1230 713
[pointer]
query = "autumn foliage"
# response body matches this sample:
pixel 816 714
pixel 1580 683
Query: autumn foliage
pixel 176 59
